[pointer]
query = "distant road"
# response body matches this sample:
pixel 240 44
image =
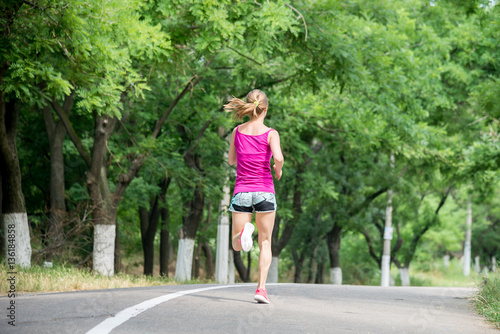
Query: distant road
pixel 294 308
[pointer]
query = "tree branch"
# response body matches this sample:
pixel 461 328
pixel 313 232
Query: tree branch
pixel 190 85
pixel 195 79
pixel 72 134
pixel 34 5
pixel 370 246
pixel 328 130
pixel 443 199
pixel 399 243
pixel 197 141
pixel 50 124
pixel 427 226
pixel 299 17
pixel 244 56
pixel 367 201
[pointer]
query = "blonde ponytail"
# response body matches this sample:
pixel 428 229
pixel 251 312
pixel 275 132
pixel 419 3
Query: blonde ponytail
pixel 254 106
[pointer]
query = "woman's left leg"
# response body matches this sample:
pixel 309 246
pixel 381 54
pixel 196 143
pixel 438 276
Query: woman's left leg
pixel 265 225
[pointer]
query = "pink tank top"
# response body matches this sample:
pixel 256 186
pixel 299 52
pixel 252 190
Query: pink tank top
pixel 253 168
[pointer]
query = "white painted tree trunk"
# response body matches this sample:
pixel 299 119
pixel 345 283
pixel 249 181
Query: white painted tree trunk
pixel 104 249
pixel 386 253
pixel 493 264
pixel 184 263
pixel 477 264
pixel 222 256
pixel 446 261
pixel 404 274
pixel 386 270
pixel 272 276
pixel 17 239
pixel 336 276
pixel 467 247
pixel 231 267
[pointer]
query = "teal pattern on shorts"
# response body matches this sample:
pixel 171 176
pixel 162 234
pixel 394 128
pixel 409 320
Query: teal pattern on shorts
pixel 257 201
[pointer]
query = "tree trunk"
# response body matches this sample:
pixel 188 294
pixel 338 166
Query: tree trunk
pixel 336 276
pixel 467 243
pixel 104 249
pixel 56 132
pixel 386 254
pixel 207 251
pixel 313 265
pixel 223 236
pixel 272 277
pixel 104 203
pixel 249 265
pixel 184 259
pixel 298 263
pixel 164 242
pixel 15 219
pixel 230 269
pixel 240 267
pixel 321 273
pixel 197 261
pixel 149 223
pixel 104 208
pixel 187 235
pixel 477 265
pixel 194 208
pixel 117 253
pixel 404 274
pixel 333 240
pixel 446 261
pixel 103 255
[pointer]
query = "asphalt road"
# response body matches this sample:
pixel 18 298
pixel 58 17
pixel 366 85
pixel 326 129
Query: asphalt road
pixel 294 308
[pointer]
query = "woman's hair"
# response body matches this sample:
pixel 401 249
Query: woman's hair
pixel 254 106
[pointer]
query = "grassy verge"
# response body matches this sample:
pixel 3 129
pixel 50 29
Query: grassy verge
pixel 488 299
pixel 436 274
pixel 67 278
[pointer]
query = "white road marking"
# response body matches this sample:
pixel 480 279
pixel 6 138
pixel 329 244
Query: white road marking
pixel 111 323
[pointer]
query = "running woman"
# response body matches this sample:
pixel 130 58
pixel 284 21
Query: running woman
pixel 251 148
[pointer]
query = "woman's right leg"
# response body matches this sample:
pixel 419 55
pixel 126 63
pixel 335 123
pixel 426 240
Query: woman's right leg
pixel 239 220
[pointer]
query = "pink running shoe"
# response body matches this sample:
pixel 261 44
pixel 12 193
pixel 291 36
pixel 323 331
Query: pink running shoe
pixel 261 296
pixel 246 237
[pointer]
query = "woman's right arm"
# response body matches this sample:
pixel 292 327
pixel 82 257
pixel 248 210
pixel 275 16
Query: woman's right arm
pixel 231 158
pixel 274 143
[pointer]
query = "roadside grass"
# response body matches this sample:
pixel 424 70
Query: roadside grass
pixel 437 274
pixel 61 277
pixel 487 299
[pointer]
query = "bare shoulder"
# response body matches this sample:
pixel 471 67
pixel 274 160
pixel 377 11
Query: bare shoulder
pixel 273 133
pixel 272 136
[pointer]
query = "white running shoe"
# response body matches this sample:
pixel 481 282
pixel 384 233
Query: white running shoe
pixel 246 237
